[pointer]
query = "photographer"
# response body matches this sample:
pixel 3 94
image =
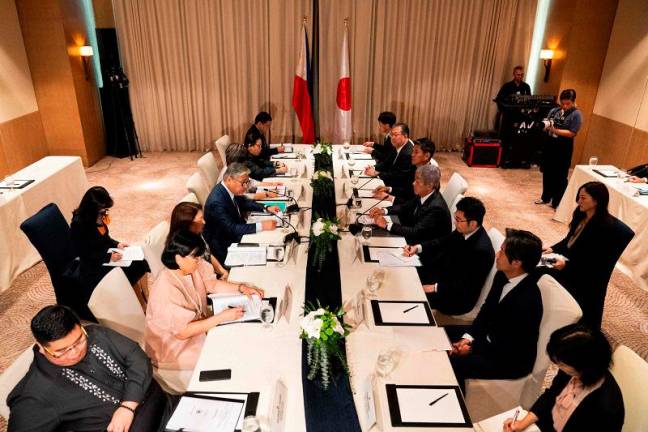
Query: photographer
pixel 561 125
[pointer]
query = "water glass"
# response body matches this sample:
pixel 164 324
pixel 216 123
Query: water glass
pixel 351 162
pixel 593 161
pixel 267 315
pixel 366 232
pixel 251 424
pixel 373 284
pixel 354 179
pixel 9 181
pixel 346 145
pixel 385 363
pixel 379 275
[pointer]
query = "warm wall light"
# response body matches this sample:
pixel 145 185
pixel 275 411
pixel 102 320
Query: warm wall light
pixel 86 51
pixel 547 55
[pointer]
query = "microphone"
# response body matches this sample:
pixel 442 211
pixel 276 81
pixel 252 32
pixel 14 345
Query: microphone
pixel 366 183
pixel 354 228
pixel 292 208
pixel 293 235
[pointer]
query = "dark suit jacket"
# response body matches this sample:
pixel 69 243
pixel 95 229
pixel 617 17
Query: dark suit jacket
pixel 260 168
pixel 399 172
pixel 601 410
pixel 506 332
pixel 459 267
pixel 266 151
pixel 430 221
pixel 223 223
pixel 592 258
pixel 383 152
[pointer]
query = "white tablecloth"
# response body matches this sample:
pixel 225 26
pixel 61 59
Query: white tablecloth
pixel 58 179
pixel 630 209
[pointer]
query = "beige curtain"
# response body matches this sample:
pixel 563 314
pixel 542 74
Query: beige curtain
pixel 436 64
pixel 203 68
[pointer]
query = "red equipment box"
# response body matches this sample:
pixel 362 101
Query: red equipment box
pixel 482 152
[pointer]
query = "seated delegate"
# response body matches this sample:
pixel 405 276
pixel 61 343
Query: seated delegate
pixel 91 238
pixel 501 342
pixel 86 378
pixel 237 153
pixel 455 266
pixel 177 316
pixel 382 151
pixel 259 167
pixel 225 212
pixel 421 155
pixel 425 217
pixel 261 127
pixel 397 170
pixel 584 396
pixel 189 216
pixel 586 271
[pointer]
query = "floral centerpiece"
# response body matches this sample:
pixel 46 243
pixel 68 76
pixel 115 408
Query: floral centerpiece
pixel 322 153
pixel 324 234
pixel 324 332
pixel 322 184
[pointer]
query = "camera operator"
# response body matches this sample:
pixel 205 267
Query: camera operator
pixel 561 126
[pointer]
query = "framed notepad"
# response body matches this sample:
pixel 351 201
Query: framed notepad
pixel 427 406
pixel 402 313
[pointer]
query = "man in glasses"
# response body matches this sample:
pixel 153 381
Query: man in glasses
pixel 455 266
pixel 226 208
pixel 86 379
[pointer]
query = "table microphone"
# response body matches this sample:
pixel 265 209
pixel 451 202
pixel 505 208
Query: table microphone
pixel 354 228
pixel 293 235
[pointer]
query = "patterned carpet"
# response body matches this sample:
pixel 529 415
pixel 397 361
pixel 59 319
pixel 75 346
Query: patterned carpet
pixel 145 190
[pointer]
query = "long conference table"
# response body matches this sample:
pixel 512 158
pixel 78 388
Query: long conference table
pixel 267 359
pixel 56 179
pixel 631 209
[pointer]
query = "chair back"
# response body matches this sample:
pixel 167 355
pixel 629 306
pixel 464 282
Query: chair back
pixel 631 373
pixel 198 187
pixel 12 376
pixel 496 238
pixel 209 168
pixel 453 209
pixel 115 305
pixel 558 310
pixel 154 246
pixel 221 144
pixel 457 185
pixel 190 197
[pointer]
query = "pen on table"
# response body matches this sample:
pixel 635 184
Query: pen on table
pixel 409 309
pixel 438 399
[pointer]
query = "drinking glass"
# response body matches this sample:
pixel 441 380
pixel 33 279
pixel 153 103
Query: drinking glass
pixel 373 284
pixel 9 180
pixel 593 161
pixel 267 315
pixel 385 363
pixel 251 424
pixel 354 179
pixel 379 274
pixel 346 145
pixel 366 232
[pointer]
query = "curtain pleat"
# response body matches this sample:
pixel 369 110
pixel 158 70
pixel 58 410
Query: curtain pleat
pixel 200 69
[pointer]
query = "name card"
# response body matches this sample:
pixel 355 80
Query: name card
pixel 278 410
pixel 285 306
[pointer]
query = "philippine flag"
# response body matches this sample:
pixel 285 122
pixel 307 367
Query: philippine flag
pixel 343 98
pixel 301 100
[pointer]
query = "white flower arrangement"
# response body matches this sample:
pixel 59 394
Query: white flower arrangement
pixel 324 332
pixel 325 232
pixel 323 148
pixel 322 174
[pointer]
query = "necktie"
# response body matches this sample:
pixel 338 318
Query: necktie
pixel 237 207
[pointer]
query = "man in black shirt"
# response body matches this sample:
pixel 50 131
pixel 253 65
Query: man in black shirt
pixel 261 127
pixel 86 379
pixel 516 86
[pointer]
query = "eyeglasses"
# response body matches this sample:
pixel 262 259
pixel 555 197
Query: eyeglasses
pixel 82 340
pixel 243 183
pixel 104 212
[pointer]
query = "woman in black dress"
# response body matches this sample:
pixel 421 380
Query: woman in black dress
pixel 91 238
pixel 584 395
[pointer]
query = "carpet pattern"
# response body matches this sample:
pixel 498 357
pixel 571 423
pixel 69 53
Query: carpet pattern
pixel 145 190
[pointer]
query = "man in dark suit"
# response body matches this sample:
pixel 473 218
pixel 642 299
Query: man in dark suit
pixel 260 168
pixel 397 171
pixel 425 217
pixel 260 128
pixel 382 151
pixel 224 212
pixel 449 286
pixel 501 342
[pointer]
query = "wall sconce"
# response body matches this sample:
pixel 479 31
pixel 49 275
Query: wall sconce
pixel 85 52
pixel 547 55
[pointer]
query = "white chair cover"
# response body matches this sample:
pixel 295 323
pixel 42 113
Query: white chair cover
pixel 209 168
pixel 457 185
pixel 115 305
pixel 190 197
pixel 12 376
pixel 631 373
pixel 154 246
pixel 198 187
pixel 486 398
pixel 221 144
